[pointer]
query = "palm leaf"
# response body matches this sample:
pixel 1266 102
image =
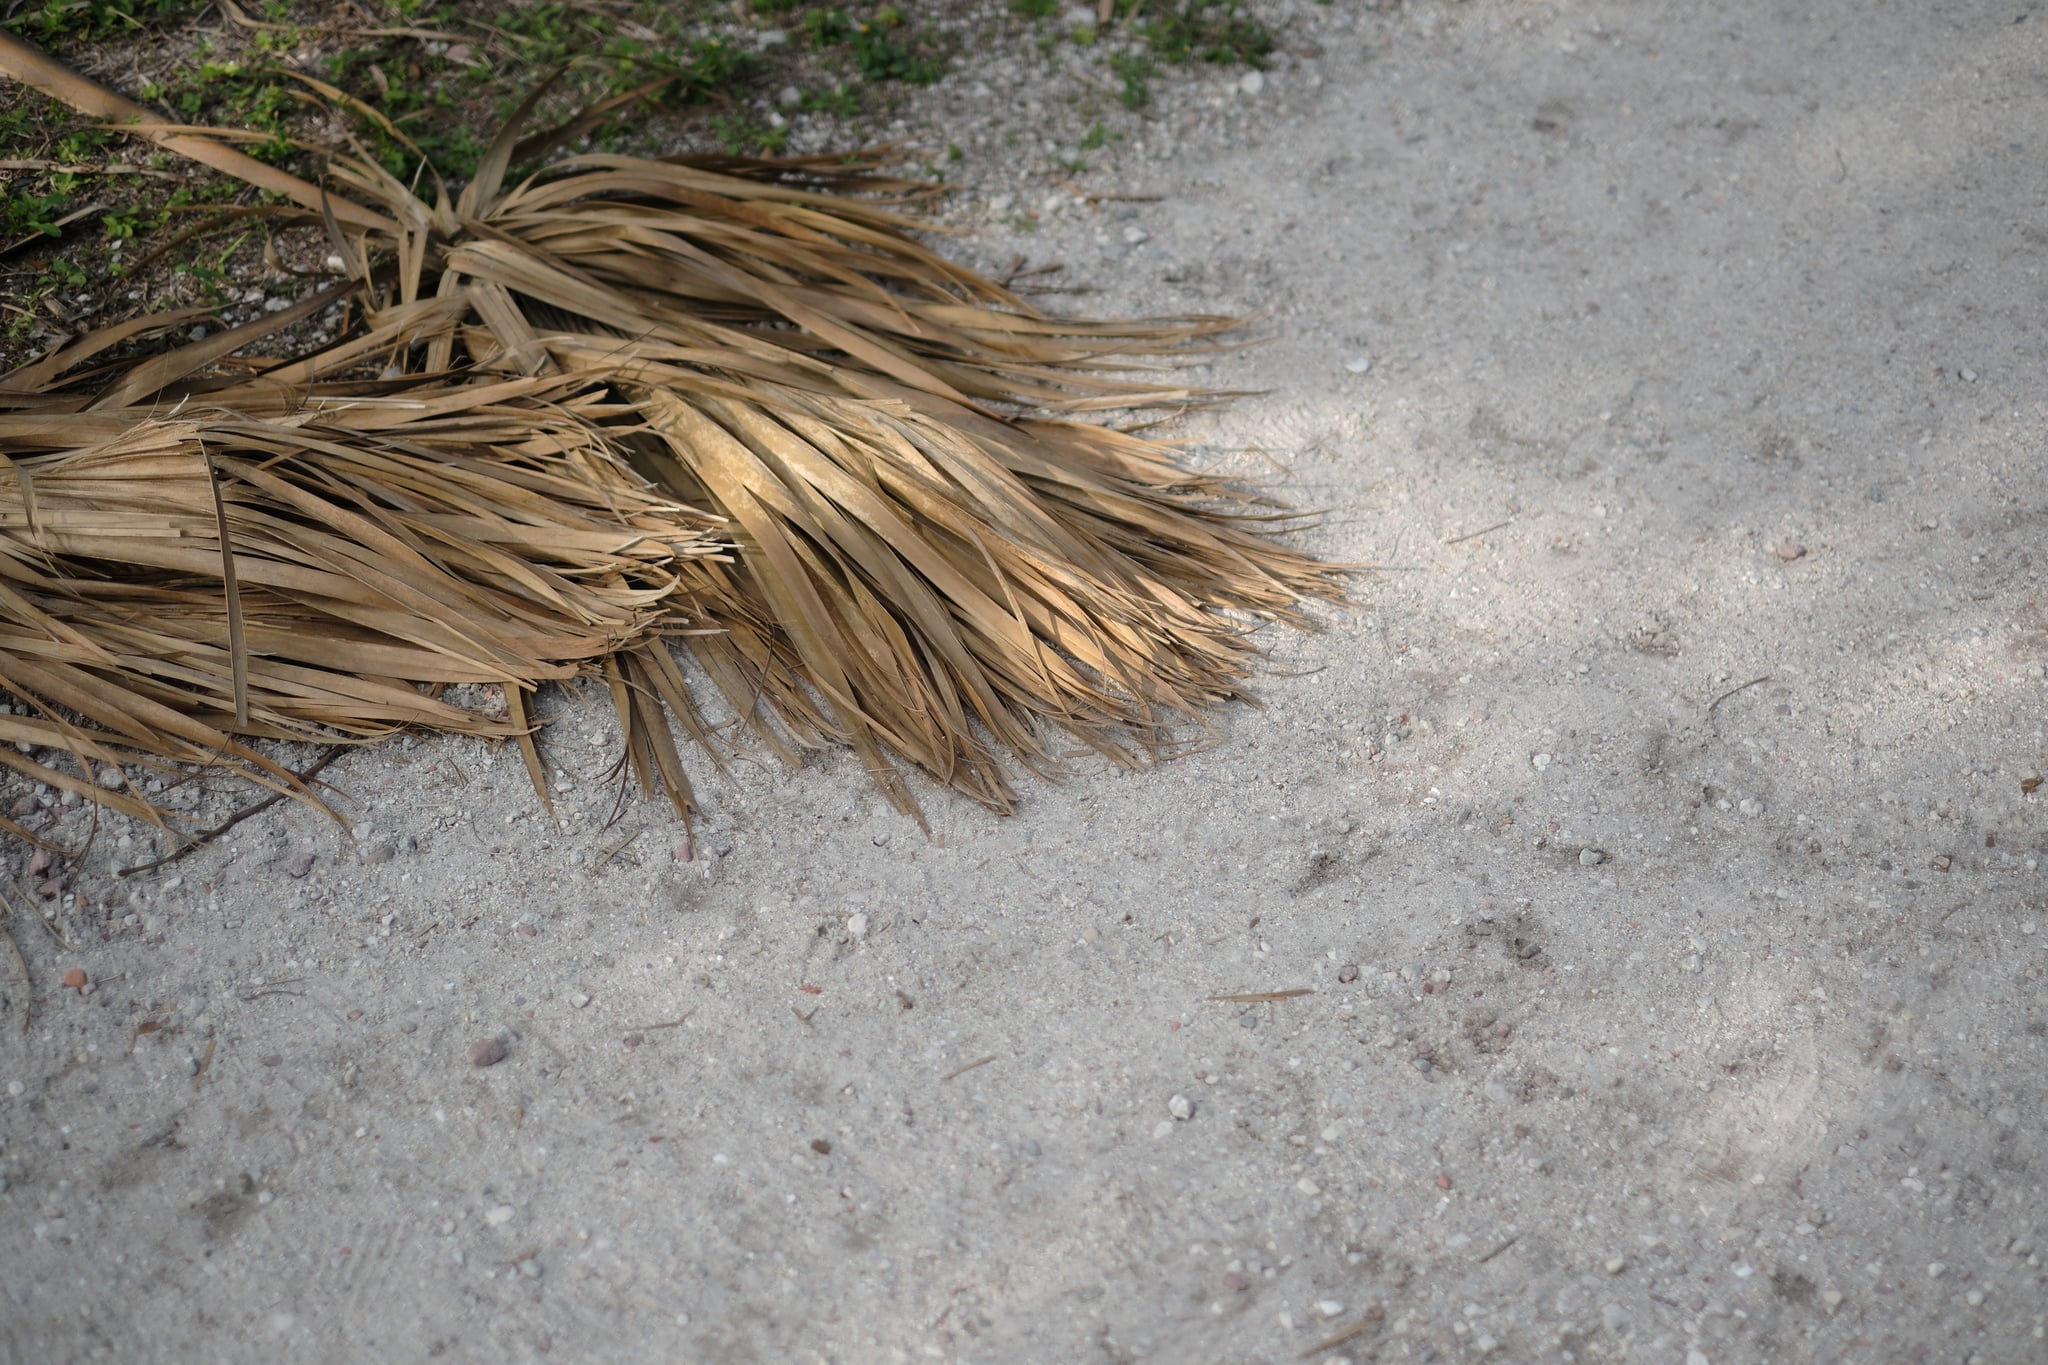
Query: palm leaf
pixel 928 556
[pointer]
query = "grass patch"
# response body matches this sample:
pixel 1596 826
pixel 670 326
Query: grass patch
pixel 1204 30
pixel 70 21
pixel 1134 72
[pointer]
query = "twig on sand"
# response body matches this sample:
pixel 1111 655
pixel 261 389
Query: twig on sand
pixel 20 965
pixel 1499 1249
pixel 1099 198
pixel 615 850
pixel 207 836
pixel 1374 1317
pixel 1482 531
pixel 1260 997
pixel 962 1071
pixel 1733 690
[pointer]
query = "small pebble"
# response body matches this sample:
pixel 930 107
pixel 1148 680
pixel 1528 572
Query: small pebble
pixel 579 1000
pixel 1749 805
pixel 857 924
pixel 1695 1356
pixel 1790 551
pixel 299 866
pixel 1615 1265
pixel 1236 1283
pixel 1308 1187
pixel 1330 1308
pixel 1539 762
pixel 1252 82
pixel 1359 364
pixel 486 1052
pixel 1136 236
pixel 530 1269
pixel 1935 1270
pixel 1348 973
pixel 1181 1107
pixel 1614 1317
pixel 16 1089
pixel 1443 1182
pixel 1592 857
pixel 75 980
pixel 499 1216
pixel 273 1059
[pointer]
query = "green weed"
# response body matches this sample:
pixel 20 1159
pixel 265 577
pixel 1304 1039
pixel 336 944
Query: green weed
pixel 743 136
pixel 1208 31
pixel 70 21
pixel 839 102
pixel 1134 73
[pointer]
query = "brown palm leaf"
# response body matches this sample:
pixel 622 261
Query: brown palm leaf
pixel 934 556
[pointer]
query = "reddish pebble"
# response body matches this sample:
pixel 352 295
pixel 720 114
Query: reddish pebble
pixel 1236 1282
pixel 40 862
pixel 75 979
pixel 822 1146
pixel 354 1015
pixel 486 1052
pixel 1443 1182
pixel 526 929
pixel 633 1040
pixel 274 1059
pixel 1790 551
pixel 1348 973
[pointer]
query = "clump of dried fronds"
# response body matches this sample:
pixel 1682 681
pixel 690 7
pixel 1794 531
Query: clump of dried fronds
pixel 620 399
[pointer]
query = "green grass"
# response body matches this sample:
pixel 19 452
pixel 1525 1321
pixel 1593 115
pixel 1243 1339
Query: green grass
pixel 1134 73
pixel 88 21
pixel 880 48
pixel 445 99
pixel 1205 30
pixel 258 99
pixel 740 135
pixel 839 102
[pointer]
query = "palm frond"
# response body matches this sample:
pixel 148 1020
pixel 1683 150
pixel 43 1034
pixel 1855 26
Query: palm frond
pixel 625 398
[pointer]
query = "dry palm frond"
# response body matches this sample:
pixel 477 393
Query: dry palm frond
pixel 177 581
pixel 933 556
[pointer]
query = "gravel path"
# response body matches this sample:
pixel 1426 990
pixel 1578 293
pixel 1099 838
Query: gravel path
pixel 1618 937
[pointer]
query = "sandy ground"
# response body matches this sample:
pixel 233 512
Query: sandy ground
pixel 1643 873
